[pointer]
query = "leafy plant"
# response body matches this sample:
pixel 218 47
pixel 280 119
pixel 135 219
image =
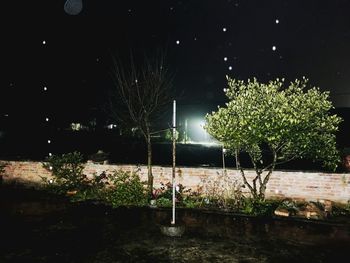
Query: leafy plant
pixel 67 170
pixel 164 202
pixel 166 191
pixel 126 189
pixel 275 125
pixel 67 176
pixel 258 207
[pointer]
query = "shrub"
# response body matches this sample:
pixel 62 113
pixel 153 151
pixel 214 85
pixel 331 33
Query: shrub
pixel 255 207
pixel 126 190
pixel 67 170
pixel 164 202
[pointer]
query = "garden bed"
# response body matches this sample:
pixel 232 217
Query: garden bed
pixel 37 227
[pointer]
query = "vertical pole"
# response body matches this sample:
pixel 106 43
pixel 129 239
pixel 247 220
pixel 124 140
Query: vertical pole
pixel 174 155
pixel 223 161
pixel 186 130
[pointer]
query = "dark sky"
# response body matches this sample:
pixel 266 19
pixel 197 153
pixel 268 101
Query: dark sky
pixel 216 38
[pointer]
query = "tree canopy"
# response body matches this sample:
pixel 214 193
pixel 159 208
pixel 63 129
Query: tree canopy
pixel 278 122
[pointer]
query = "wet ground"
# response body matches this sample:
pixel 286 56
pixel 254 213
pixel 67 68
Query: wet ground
pixel 36 227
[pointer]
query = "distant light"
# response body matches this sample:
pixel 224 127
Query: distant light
pixel 50 154
pixel 50 181
pixel 129 10
pixel 44 42
pixel 225 89
pixel 224 29
pixel 274 48
pixel 277 21
pixel 230 68
pixel 45 88
pixel 177 42
pixel 171 8
pixel 50 167
pixel 225 58
pixel 49 141
pixel 46 119
pixel 195 38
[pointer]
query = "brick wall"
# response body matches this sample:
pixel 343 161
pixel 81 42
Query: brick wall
pixel 304 185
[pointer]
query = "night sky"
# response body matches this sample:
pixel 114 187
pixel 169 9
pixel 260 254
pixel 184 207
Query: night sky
pixel 70 55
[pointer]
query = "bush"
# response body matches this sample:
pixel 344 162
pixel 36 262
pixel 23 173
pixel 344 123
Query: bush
pixel 255 207
pixel 126 190
pixel 164 202
pixel 67 170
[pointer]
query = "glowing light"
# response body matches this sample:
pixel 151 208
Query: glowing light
pixel 277 21
pixel 225 58
pixel 44 42
pixel 230 68
pixel 45 88
pixel 274 48
pixel 224 29
pixel 49 141
pixel 50 167
pixel 177 42
pixel 46 119
pixel 50 154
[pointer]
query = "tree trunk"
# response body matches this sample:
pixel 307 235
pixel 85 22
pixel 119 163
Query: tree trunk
pixel 149 163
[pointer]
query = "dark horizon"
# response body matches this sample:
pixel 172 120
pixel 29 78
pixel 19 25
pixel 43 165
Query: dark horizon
pixel 56 66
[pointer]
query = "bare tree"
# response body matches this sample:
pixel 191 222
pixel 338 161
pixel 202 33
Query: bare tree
pixel 140 97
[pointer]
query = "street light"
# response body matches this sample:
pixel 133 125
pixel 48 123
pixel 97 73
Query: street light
pixel 223 161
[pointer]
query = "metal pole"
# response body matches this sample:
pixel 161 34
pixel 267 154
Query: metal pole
pixel 185 130
pixel 223 161
pixel 174 155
